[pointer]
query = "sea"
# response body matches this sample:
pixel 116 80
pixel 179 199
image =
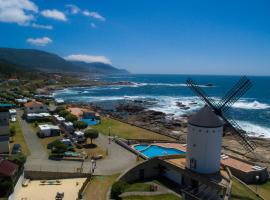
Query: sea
pixel 251 111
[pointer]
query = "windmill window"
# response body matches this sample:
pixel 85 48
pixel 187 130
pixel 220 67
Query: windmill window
pixel 193 163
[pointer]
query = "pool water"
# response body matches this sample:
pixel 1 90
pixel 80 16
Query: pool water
pixel 90 122
pixel 154 150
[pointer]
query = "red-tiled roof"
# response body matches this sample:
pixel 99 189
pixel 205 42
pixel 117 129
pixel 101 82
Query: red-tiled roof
pixel 7 168
pixel 33 103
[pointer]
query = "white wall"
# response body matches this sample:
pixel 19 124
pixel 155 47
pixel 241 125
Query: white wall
pixel 16 188
pixel 204 145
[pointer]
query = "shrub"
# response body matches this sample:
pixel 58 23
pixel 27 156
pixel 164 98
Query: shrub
pixel 117 189
pixel 19 159
pixel 12 131
pixel 59 147
pixel 91 133
pixel 80 125
pixel 60 108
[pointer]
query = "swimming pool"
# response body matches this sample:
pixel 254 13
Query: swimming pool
pixel 90 122
pixel 151 151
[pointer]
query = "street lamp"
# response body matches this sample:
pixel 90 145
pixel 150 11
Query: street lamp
pixel 109 135
pixel 257 181
pixel 94 164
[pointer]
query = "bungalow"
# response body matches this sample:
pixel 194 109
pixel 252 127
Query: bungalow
pixel 68 126
pixel 35 107
pixel 46 130
pixel 4 129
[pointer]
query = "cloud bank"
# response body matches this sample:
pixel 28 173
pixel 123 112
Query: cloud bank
pixel 88 58
pixel 39 41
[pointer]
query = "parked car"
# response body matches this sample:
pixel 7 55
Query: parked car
pixel 13 119
pixel 16 149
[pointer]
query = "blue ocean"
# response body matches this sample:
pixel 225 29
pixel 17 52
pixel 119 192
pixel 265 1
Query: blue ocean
pixel 252 111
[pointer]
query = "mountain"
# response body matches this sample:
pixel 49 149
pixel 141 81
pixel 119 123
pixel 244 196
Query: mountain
pixel 35 59
pixel 31 59
pixel 8 69
pixel 99 68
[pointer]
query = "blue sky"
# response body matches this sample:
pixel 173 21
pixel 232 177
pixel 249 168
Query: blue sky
pixel 146 36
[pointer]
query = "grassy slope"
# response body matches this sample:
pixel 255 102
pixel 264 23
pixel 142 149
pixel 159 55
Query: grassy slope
pixel 19 138
pixel 263 189
pixel 240 192
pixel 137 187
pixel 98 187
pixel 124 130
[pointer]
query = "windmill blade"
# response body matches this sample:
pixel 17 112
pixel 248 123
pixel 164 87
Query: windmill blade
pixel 241 135
pixel 239 89
pixel 203 96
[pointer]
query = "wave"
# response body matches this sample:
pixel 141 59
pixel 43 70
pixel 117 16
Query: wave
pixel 255 105
pixel 255 130
pixel 141 84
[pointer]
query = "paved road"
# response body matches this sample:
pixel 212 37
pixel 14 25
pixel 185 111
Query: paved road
pixel 118 160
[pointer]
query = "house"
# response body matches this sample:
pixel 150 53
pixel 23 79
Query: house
pixel 68 126
pixel 46 130
pixel 58 119
pixel 4 129
pixel 37 116
pixel 7 168
pixel 35 107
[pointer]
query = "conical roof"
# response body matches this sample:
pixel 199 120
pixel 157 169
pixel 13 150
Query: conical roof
pixel 205 117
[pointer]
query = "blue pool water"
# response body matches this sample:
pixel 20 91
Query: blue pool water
pixel 153 150
pixel 90 122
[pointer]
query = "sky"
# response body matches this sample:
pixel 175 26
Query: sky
pixel 227 37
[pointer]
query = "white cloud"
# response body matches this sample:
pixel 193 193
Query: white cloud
pixel 41 26
pixel 39 41
pixel 93 25
pixel 95 15
pixel 54 14
pixel 17 11
pixel 88 58
pixel 73 9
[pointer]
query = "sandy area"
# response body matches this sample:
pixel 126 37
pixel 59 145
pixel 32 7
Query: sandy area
pixel 35 190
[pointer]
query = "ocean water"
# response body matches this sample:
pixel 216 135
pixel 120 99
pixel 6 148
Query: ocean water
pixel 252 111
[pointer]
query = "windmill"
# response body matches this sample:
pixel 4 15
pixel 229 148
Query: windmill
pixel 220 108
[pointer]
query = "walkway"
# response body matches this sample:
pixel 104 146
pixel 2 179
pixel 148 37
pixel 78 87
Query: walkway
pixel 117 161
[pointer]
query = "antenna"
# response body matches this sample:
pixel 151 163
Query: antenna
pixel 221 107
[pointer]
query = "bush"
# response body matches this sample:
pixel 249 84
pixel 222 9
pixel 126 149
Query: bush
pixel 12 131
pixel 19 159
pixel 71 118
pixel 80 125
pixel 117 189
pixel 6 185
pixel 91 133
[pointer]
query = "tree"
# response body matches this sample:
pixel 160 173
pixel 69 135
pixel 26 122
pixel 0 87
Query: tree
pixel 59 147
pixel 118 188
pixel 19 159
pixel 92 134
pixel 60 108
pixel 71 118
pixel 63 113
pixel 80 125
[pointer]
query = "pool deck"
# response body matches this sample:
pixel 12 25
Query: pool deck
pixel 225 161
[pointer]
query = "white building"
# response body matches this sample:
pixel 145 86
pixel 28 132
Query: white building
pixel 47 130
pixel 204 140
pixel 35 107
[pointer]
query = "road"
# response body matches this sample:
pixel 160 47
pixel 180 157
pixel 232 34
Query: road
pixel 117 161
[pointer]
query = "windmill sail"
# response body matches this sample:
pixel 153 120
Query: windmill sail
pixel 238 90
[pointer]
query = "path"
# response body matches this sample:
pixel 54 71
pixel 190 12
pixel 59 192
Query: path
pixel 118 159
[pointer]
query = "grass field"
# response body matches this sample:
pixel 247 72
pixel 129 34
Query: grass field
pixel 99 186
pixel 138 187
pixel 19 138
pixel 263 189
pixel 241 192
pixel 156 197
pixel 127 131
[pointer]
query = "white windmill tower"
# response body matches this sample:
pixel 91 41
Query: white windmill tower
pixel 204 140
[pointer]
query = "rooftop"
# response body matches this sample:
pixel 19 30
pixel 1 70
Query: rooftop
pixel 33 103
pixel 205 117
pixel 7 168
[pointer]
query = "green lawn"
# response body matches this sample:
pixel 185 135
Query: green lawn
pixel 156 197
pixel 98 187
pixel 240 192
pixel 263 189
pixel 19 138
pixel 127 131
pixel 138 187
